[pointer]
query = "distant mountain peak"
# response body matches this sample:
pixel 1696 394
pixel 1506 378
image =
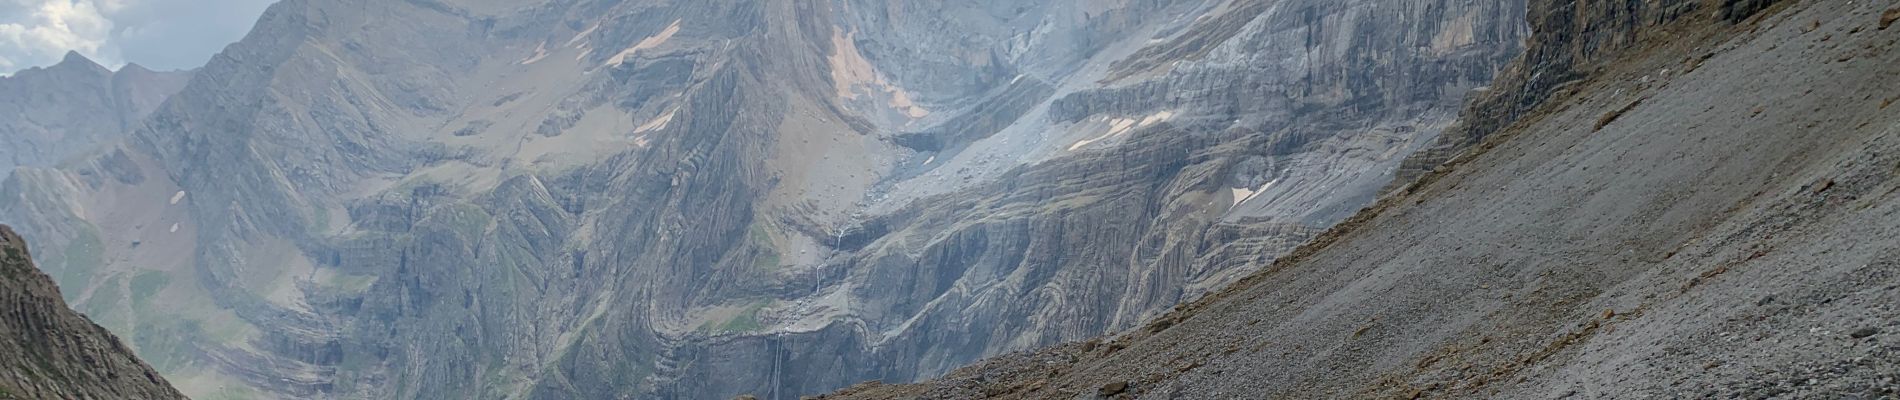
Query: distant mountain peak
pixel 134 67
pixel 74 60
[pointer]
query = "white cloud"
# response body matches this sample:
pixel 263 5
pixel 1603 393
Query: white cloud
pixel 47 29
pixel 163 34
pixel 112 6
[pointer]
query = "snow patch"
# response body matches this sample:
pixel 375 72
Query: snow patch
pixel 645 44
pixel 583 35
pixel 1157 117
pixel 540 52
pixel 849 70
pixel 1242 195
pixel 1118 126
pixel 657 123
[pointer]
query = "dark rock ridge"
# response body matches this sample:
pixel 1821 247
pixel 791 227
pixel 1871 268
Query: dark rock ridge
pixel 1664 223
pixel 47 351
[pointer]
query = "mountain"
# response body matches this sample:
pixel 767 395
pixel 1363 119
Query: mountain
pixel 50 114
pixel 436 199
pixel 1661 199
pixel 51 352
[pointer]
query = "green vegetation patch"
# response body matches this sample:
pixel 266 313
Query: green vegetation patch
pixel 167 344
pixel 83 257
pixel 767 257
pixel 462 218
pixel 233 392
pixel 320 219
pixel 350 283
pixel 103 305
pixel 746 321
pixel 146 285
pixel 766 260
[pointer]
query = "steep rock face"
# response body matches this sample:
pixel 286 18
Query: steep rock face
pixel 50 114
pixel 694 199
pixel 1172 178
pixel 1571 41
pixel 1136 192
pixel 1655 230
pixel 51 352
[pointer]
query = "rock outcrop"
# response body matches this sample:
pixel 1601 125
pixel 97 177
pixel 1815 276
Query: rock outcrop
pixel 47 351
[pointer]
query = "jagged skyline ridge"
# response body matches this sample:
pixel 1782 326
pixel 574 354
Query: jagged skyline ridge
pixel 156 34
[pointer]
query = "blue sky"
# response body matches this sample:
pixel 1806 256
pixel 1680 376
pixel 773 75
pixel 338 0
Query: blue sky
pixel 158 34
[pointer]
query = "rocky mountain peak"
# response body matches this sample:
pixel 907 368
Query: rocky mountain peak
pixel 50 114
pixel 73 59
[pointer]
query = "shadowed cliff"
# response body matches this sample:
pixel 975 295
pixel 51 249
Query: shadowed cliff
pixel 50 352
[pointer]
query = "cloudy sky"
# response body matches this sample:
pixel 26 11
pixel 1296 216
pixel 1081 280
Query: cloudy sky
pixel 158 34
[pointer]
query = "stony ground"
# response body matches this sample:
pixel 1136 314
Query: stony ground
pixel 1710 217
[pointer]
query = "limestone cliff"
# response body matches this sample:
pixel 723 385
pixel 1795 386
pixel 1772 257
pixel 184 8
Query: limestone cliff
pixel 1665 221
pixel 702 199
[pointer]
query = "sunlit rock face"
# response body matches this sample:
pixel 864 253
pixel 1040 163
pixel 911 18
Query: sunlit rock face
pixel 701 199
